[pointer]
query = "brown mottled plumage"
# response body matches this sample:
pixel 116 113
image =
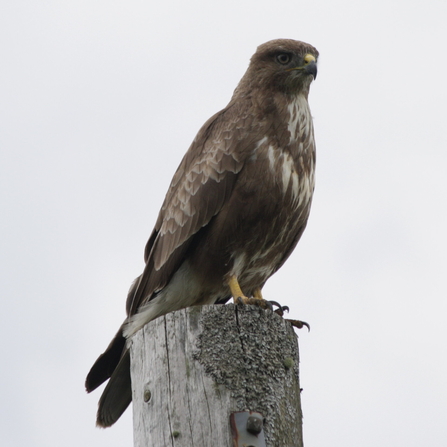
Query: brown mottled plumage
pixel 235 209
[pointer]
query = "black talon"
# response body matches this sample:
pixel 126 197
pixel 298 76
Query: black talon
pixel 281 309
pixel 268 305
pixel 279 312
pixel 275 303
pixel 263 304
pixel 299 324
pixel 239 301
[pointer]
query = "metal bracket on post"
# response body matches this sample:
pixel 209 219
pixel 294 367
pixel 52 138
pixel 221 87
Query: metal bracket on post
pixel 247 429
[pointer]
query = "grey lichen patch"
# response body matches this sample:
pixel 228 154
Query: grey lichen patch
pixel 219 350
pixel 254 354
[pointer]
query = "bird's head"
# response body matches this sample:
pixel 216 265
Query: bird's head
pixel 284 65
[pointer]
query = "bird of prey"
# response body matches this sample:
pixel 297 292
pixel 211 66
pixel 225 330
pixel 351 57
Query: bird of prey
pixel 235 210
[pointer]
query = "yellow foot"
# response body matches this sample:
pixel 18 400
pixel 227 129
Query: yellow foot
pixel 258 300
pixel 240 298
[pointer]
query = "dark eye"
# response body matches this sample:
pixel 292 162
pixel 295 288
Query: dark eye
pixel 283 58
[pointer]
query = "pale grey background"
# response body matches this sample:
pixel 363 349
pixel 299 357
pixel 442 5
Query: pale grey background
pixel 99 100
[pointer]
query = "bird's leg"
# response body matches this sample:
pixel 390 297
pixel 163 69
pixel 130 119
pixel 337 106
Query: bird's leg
pixel 258 300
pixel 258 294
pixel 236 291
pixel 240 298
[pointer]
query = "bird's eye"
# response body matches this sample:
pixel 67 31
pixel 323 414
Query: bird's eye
pixel 283 58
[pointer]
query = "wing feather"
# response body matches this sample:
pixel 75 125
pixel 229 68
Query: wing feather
pixel 200 187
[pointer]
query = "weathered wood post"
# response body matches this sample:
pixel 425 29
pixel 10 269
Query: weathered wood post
pixel 192 368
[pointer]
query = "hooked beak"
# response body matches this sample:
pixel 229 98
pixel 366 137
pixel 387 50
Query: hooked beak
pixel 310 65
pixel 311 69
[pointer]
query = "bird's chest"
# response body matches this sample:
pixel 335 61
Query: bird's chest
pixel 285 177
pixel 274 198
pixel 280 180
pixel 283 160
pixel 277 185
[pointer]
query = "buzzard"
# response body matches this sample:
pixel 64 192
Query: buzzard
pixel 235 210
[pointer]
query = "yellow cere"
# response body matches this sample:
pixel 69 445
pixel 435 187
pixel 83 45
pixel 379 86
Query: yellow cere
pixel 308 58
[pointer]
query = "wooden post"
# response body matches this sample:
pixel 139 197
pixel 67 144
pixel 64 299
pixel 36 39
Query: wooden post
pixel 192 368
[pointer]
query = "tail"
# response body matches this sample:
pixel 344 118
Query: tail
pixel 114 363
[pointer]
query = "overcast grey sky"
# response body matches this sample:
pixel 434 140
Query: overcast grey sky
pixel 99 100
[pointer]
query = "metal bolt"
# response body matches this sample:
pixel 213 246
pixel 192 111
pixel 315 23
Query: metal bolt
pixel 254 424
pixel 147 395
